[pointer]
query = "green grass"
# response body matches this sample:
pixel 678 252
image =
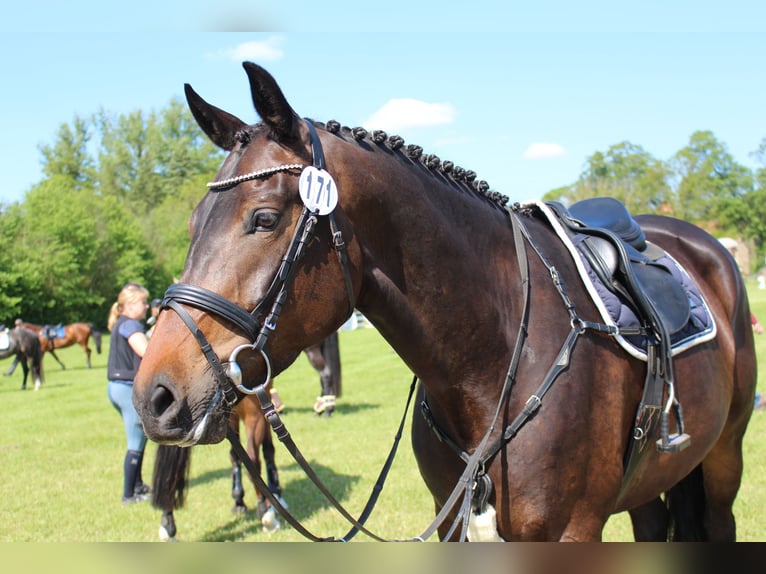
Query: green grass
pixel 61 452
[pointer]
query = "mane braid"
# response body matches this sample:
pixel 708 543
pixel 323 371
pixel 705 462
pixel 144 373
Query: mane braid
pixel 434 164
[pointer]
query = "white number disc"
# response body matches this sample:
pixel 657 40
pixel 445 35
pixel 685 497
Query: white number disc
pixel 318 191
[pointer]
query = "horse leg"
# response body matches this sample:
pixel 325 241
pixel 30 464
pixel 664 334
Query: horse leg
pixel 325 403
pixel 87 355
pixel 272 475
pixel 650 521
pixel 709 492
pixel 25 370
pixel 237 488
pixel 36 360
pixel 257 431
pixel 13 366
pixel 167 527
pixel 53 353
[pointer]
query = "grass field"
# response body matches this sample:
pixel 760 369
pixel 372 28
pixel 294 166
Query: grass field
pixel 61 452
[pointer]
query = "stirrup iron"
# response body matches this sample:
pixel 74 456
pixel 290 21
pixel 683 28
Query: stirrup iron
pixel 678 441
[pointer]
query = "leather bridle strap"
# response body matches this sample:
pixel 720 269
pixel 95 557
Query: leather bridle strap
pixel 224 382
pixel 211 302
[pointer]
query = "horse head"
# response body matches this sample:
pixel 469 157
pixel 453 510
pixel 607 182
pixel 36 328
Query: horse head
pixel 253 292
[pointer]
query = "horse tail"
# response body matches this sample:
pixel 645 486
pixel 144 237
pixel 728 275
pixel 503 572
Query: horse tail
pixel 96 334
pixel 171 477
pixel 686 505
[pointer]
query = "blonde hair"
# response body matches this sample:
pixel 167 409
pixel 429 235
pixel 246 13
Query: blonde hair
pixel 131 293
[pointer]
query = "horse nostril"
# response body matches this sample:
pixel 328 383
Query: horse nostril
pixel 161 400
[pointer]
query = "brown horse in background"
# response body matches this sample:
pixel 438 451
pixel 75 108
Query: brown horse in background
pixel 170 481
pixel 528 402
pixel 24 346
pixel 172 463
pixel 74 333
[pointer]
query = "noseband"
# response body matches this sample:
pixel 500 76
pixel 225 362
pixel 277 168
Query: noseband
pixel 229 378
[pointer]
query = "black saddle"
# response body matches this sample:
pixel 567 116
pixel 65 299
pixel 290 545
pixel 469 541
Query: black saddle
pixel 615 246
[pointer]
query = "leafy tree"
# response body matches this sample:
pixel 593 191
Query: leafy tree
pixel 626 172
pixel 10 280
pixel 128 159
pixel 708 183
pixel 68 156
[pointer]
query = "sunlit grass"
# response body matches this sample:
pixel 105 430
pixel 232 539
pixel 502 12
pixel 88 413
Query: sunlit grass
pixel 61 452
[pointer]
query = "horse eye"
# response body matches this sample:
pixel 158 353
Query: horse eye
pixel 264 220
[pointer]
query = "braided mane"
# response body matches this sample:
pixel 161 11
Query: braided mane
pixel 395 143
pixel 415 153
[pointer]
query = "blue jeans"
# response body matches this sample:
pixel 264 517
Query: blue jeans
pixel 121 397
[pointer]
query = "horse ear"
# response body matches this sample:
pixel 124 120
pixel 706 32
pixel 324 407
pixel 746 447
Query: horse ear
pixel 271 105
pixel 218 125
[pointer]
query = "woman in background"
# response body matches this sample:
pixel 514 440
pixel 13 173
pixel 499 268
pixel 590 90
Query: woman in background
pixel 127 347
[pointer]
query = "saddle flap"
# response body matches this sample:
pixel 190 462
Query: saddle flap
pixel 667 296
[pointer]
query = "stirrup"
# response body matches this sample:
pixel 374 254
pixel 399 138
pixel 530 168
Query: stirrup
pixel 678 441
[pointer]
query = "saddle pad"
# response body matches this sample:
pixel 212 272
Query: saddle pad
pixel 54 332
pixel 5 340
pixel 700 328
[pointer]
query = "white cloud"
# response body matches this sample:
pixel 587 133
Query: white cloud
pixel 541 150
pixel 402 113
pixel 257 51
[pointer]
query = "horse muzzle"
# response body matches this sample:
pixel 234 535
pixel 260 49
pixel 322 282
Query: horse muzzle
pixel 168 418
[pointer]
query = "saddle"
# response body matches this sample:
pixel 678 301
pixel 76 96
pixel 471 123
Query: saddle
pixel 5 338
pixel 615 246
pixel 54 331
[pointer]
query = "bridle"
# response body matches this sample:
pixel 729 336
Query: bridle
pixel 229 377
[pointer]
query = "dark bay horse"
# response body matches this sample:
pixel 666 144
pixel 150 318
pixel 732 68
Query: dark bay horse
pixel 24 347
pixel 74 333
pixel 483 303
pixel 325 358
pixel 171 471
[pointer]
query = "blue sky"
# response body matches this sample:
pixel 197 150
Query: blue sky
pixel 520 94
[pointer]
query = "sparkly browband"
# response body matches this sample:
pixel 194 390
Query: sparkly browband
pixel 232 181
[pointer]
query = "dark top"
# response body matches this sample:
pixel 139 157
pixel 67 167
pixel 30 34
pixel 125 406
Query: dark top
pixel 123 360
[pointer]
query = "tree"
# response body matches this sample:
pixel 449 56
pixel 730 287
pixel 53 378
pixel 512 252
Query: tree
pixel 68 156
pixel 10 280
pixel 708 183
pixel 626 172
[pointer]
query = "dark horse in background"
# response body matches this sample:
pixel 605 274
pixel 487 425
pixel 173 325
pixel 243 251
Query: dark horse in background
pixel 470 293
pixel 24 346
pixel 325 358
pixel 57 337
pixel 170 481
pixel 172 463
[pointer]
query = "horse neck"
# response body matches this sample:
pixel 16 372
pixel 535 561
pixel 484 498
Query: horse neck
pixel 438 264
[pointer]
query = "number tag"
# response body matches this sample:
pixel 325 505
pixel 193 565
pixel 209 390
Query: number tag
pixel 318 191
